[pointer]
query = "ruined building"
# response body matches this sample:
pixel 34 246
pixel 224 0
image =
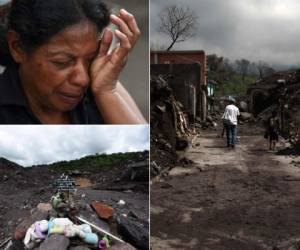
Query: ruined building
pixel 187 73
pixel 279 92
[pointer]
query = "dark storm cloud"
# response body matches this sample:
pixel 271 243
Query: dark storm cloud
pixel 28 145
pixel 257 30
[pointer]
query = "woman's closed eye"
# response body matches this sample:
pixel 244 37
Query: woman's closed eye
pixel 62 64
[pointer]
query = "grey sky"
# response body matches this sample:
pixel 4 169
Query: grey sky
pixel 29 145
pixel 266 30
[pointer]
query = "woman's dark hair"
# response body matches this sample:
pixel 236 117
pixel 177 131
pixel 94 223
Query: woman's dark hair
pixel 36 21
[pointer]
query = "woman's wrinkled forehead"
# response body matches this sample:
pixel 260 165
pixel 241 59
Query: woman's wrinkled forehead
pixel 78 40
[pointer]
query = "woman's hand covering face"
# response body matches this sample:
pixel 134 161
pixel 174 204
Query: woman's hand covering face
pixel 106 67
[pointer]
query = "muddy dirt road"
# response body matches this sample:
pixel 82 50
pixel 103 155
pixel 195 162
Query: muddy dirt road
pixel 230 199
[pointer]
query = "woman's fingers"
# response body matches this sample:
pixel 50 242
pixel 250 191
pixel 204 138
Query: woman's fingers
pixel 131 22
pixel 121 52
pixel 105 42
pixel 127 24
pixel 122 26
pixel 127 34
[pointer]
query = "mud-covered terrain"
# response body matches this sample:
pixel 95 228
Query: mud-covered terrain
pixel 229 199
pixel 22 189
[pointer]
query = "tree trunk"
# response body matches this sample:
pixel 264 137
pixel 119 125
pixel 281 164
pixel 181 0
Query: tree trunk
pixel 171 45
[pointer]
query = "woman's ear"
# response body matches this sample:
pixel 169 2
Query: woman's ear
pixel 15 48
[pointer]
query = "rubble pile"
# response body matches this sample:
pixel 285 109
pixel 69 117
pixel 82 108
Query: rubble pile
pixel 269 93
pixel 279 92
pixel 170 128
pixel 134 176
pixel 56 225
pixel 113 199
pixel 291 120
pixel 20 191
pixel 215 112
pixel 214 116
pixel 212 120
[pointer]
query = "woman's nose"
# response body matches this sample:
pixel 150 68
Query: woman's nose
pixel 80 75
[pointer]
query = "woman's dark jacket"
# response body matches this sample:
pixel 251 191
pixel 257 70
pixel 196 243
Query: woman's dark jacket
pixel 14 108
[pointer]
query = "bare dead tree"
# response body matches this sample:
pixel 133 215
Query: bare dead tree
pixel 179 23
pixel 264 69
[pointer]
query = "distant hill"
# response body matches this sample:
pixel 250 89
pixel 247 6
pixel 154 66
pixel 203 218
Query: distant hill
pixel 98 161
pixel 282 67
pixel 89 162
pixel 8 166
pixel 14 177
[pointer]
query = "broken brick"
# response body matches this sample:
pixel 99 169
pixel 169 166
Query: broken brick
pixel 102 210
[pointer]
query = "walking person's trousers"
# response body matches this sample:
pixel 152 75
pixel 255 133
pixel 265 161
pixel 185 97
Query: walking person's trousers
pixel 231 135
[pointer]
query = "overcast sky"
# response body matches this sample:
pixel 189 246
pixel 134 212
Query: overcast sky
pixel 30 145
pixel 266 30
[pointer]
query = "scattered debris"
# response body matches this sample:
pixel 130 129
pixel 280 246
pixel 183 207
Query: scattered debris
pixel 4 242
pixel 102 210
pixel 84 229
pixel 133 232
pixel 170 126
pixel 121 202
pixel 100 230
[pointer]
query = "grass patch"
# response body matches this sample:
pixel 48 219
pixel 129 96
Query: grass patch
pixel 231 84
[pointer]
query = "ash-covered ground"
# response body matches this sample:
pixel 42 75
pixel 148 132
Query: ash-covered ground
pixel 22 189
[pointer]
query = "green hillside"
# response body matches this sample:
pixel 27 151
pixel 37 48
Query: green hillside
pixel 98 161
pixel 232 84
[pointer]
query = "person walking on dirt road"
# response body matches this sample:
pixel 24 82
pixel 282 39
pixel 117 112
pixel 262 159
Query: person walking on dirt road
pixel 273 130
pixel 230 118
